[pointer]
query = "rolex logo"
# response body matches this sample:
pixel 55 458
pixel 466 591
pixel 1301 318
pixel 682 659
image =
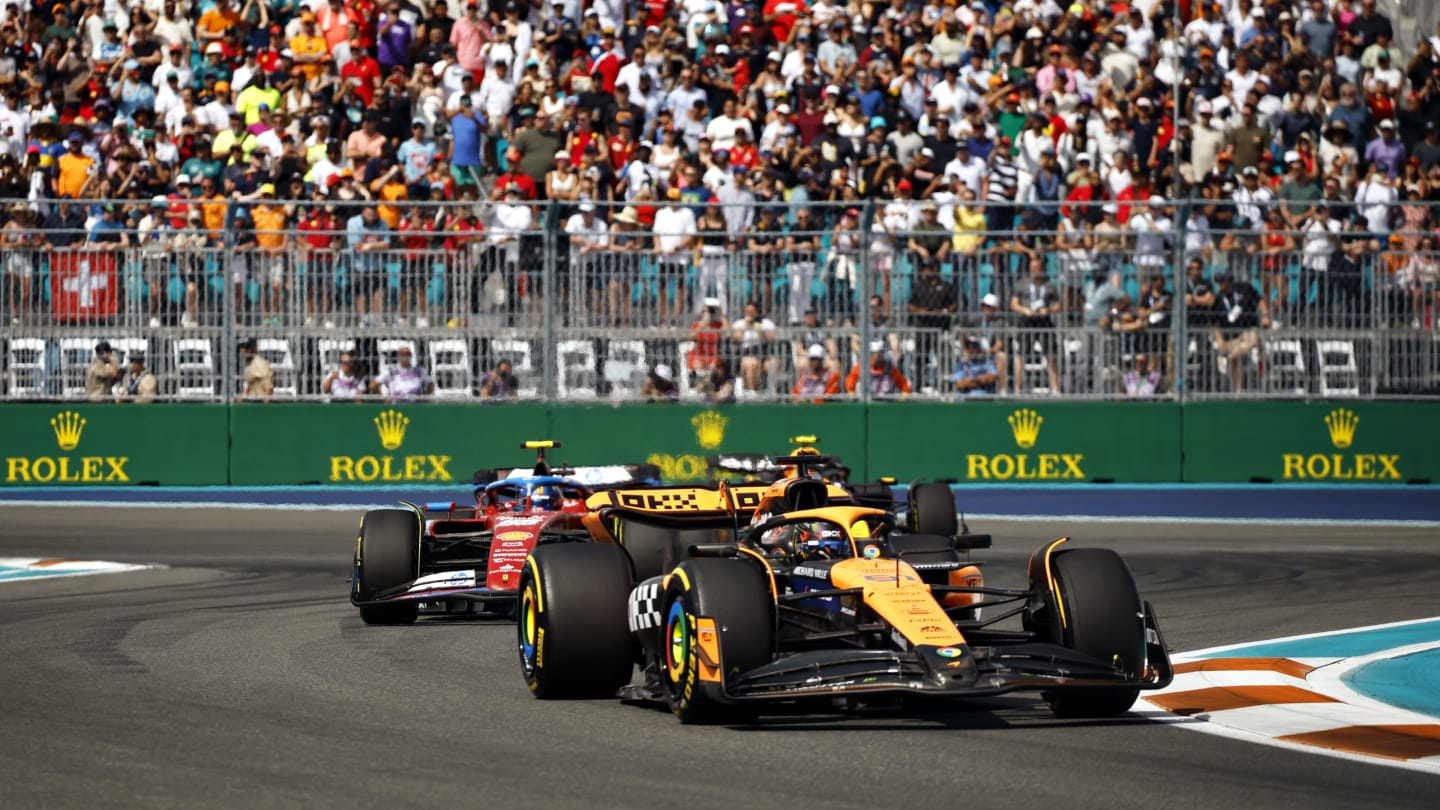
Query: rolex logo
pixel 1025 424
pixel 391 425
pixel 1341 423
pixel 709 429
pixel 68 425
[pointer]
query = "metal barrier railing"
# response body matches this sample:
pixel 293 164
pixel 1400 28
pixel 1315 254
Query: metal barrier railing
pixel 585 305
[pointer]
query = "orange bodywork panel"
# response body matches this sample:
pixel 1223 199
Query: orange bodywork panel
pixel 894 591
pixel 599 532
pixel 967 577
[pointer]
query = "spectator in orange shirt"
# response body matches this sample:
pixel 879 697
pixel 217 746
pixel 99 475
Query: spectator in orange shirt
pixel 817 383
pixel 215 22
pixel 213 207
pixel 269 257
pixel 885 380
pixel 390 187
pixel 308 47
pixel 75 168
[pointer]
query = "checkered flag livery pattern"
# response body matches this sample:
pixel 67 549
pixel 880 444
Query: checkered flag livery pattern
pixel 644 606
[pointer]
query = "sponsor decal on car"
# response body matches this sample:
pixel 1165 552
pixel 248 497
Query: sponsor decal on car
pixel 949 652
pixel 513 536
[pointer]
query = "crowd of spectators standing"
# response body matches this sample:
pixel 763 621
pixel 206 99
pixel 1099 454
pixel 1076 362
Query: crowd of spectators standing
pixel 1066 134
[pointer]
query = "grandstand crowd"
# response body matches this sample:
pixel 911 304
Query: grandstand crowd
pixel 1038 127
pixel 1018 102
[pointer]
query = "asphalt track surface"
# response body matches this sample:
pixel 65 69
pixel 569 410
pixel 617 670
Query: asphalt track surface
pixel 239 676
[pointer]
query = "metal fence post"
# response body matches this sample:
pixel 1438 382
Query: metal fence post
pixel 228 340
pixel 550 284
pixel 1180 314
pixel 867 282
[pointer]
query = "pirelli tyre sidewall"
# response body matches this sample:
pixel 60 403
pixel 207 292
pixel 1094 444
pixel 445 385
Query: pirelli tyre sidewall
pixel 1102 617
pixel 735 596
pixel 932 509
pixel 572 634
pixel 387 555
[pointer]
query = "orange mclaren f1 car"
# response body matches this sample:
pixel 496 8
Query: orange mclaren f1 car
pixel 814 596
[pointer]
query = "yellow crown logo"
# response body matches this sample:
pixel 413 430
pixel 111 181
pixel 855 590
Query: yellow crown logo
pixel 1341 423
pixel 67 425
pixel 391 425
pixel 1025 424
pixel 709 429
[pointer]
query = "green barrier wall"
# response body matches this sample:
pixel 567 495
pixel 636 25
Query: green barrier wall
pixel 1312 442
pixel 678 438
pixel 114 444
pixel 1288 442
pixel 1000 442
pixel 376 444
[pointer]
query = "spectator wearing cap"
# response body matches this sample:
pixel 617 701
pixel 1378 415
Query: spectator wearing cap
pixel 513 221
pixel 139 385
pixel 1386 150
pixel 1206 140
pixel 537 146
pixel 308 46
pixel 1241 313
pixel 1375 196
pixel 882 376
pixel 416 155
pixel 404 381
pixel 1001 187
pixel 816 382
pixel 975 374
pixel 836 55
pixel 468 36
pixel 362 73
pixel 932 306
pixel 589 238
pixel 74 167
pixel 659 385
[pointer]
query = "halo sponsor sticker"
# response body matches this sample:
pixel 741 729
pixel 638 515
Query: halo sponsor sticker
pixel 948 652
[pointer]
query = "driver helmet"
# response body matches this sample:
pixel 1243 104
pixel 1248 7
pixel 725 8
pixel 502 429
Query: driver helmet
pixel 779 542
pixel 545 496
pixel 820 541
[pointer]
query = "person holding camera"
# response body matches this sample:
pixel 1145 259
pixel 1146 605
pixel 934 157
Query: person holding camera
pixel 139 385
pixel 102 373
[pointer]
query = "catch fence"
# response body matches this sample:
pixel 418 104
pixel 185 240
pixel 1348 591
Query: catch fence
pixel 620 302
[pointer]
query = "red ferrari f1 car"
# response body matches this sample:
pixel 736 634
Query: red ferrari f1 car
pixel 447 559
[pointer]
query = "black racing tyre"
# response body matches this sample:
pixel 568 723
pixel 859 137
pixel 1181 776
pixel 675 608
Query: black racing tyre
pixel 388 556
pixel 1103 618
pixel 736 594
pixel 574 638
pixel 932 510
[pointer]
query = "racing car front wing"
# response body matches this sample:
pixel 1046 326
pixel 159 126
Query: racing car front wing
pixel 957 671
